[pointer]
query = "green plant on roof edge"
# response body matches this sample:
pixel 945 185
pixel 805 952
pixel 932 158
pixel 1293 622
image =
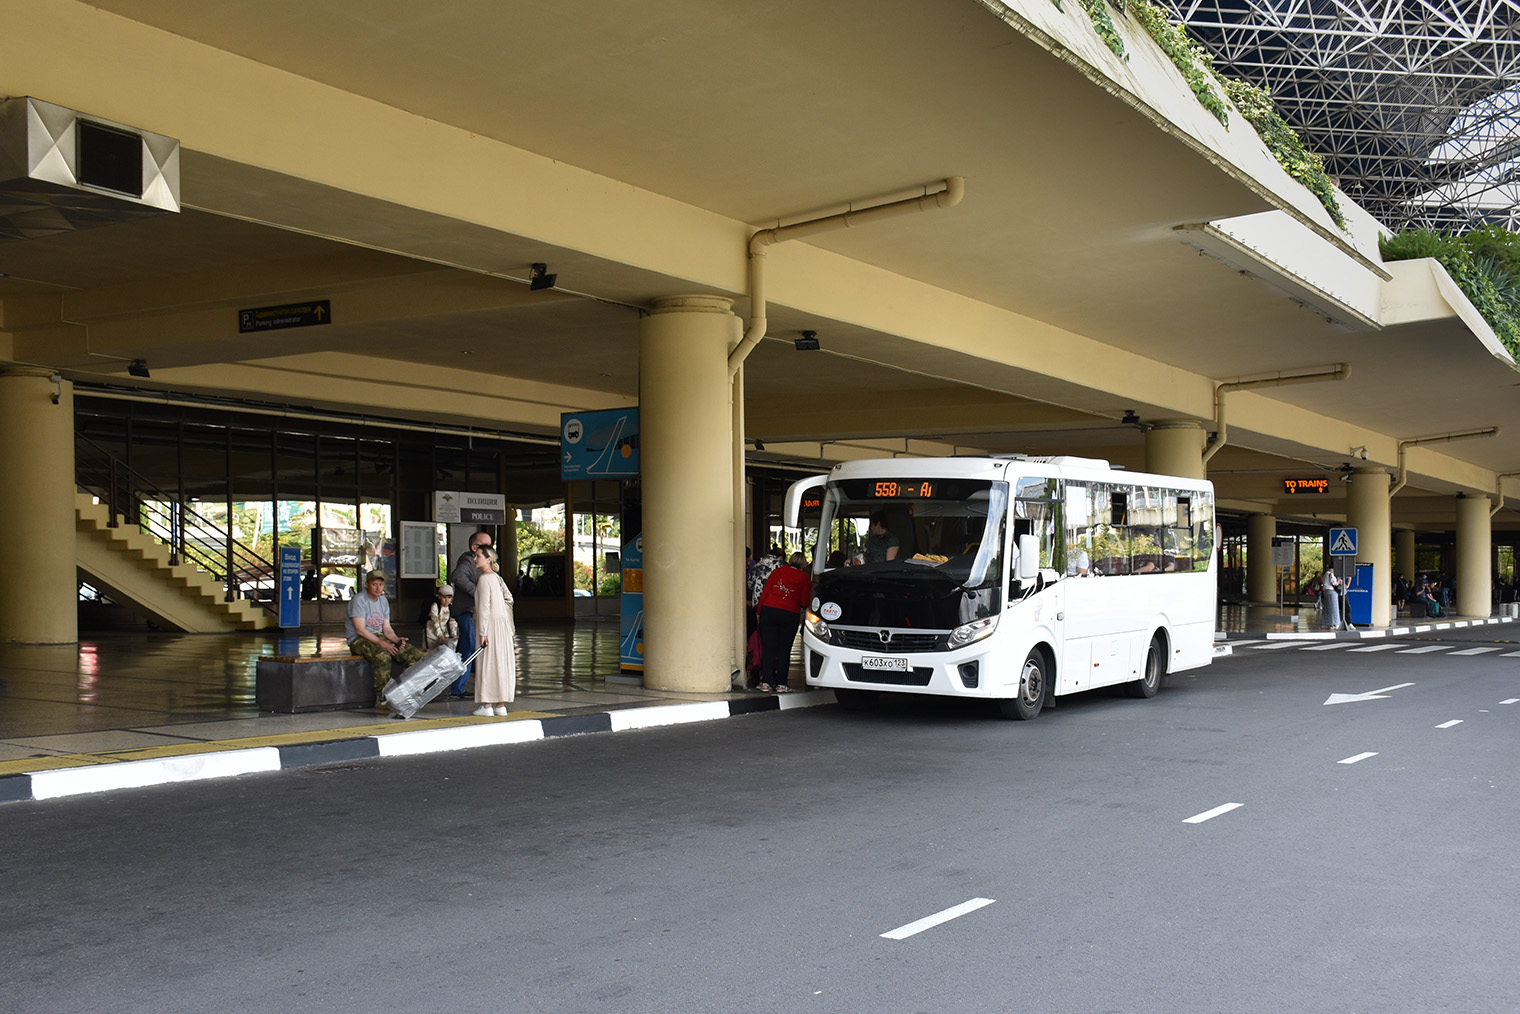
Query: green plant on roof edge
pixel 1197 68
pixel 1485 264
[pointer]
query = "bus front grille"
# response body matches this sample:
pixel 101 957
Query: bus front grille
pixel 900 643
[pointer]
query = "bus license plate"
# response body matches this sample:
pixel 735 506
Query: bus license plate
pixel 884 663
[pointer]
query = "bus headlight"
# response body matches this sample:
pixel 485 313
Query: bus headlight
pixel 968 633
pixel 815 625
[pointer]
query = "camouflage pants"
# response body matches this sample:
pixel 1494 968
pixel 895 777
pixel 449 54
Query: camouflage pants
pixel 381 660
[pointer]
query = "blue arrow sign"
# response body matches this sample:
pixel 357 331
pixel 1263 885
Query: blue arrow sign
pixel 290 586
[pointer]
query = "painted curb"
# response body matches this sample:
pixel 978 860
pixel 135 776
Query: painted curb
pixel 61 783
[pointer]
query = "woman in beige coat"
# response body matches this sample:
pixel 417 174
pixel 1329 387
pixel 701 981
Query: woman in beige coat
pixel 496 633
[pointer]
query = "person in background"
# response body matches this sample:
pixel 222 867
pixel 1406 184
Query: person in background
pixel 463 578
pixel 782 600
pixel 1330 587
pixel 881 545
pixel 369 632
pixel 441 627
pixel 496 633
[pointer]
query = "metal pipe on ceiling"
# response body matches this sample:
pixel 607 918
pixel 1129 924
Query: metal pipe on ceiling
pixel 1402 479
pixel 1221 433
pixel 949 197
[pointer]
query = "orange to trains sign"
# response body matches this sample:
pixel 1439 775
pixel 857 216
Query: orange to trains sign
pixel 1306 485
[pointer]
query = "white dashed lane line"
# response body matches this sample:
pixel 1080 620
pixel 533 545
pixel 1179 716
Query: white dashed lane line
pixel 1475 651
pixel 1199 818
pixel 1512 700
pixel 938 918
pixel 1327 647
pixel 1426 650
pixel 1274 645
pixel 1376 647
pixel 1358 757
pixel 1448 725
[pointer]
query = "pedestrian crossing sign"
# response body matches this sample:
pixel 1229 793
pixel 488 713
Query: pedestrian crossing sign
pixel 1343 542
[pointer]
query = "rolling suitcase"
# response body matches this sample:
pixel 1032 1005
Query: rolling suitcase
pixel 424 680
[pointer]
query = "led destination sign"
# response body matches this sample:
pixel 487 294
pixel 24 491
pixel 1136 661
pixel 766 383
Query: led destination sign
pixel 904 489
pixel 1306 485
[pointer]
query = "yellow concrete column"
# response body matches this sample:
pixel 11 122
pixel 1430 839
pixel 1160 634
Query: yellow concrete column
pixel 1474 556
pixel 1405 557
pixel 736 408
pixel 1261 575
pixel 39 595
pixel 687 456
pixel 1175 447
pixel 1367 510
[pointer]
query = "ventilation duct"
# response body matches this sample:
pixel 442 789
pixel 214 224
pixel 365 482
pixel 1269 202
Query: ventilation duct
pixel 62 170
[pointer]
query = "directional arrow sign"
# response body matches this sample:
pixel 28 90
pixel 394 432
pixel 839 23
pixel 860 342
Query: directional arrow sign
pixel 1375 695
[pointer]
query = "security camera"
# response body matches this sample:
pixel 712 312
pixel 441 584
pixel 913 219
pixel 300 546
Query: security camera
pixel 1360 451
pixel 57 380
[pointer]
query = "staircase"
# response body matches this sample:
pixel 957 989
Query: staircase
pixel 133 567
pixel 139 554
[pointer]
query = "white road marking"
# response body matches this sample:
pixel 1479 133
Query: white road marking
pixel 1371 695
pixel 1199 818
pixel 1327 647
pixel 1512 700
pixel 1376 647
pixel 1474 651
pixel 1273 645
pixel 1358 757
pixel 1510 654
pixel 1425 650
pixel 931 921
pixel 1448 725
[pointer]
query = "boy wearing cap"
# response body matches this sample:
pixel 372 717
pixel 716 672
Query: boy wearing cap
pixel 368 628
pixel 442 628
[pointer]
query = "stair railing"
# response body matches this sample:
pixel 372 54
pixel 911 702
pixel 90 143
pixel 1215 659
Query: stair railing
pixel 191 537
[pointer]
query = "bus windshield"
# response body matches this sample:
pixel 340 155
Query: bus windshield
pixel 914 524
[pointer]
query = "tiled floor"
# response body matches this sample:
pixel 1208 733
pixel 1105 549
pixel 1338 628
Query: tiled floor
pixel 119 691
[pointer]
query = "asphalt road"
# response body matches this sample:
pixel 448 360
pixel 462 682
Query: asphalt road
pixel 754 864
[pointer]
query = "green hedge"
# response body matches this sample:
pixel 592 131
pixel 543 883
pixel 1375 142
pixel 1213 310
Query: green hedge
pixel 1485 264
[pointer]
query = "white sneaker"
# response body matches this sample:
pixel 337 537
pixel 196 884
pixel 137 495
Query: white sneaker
pixel 484 711
pixel 502 710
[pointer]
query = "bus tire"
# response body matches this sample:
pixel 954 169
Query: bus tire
pixel 855 700
pixel 1026 704
pixel 1150 678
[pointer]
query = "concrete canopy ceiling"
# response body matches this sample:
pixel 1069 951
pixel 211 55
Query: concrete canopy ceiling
pixel 760 113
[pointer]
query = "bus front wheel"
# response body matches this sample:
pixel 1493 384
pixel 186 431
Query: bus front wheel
pixel 1150 680
pixel 1031 695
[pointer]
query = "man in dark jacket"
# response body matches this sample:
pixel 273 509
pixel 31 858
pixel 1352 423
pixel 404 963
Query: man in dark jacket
pixel 463 578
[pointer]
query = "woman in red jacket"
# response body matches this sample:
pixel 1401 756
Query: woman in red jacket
pixel 786 592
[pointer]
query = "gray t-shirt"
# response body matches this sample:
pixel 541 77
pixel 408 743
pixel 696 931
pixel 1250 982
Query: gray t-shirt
pixel 363 611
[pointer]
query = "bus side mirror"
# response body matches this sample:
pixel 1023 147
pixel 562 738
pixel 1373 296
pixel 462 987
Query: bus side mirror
pixel 1029 558
pixel 792 510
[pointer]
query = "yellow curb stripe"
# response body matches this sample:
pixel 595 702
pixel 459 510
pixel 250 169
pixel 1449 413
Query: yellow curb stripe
pixel 26 765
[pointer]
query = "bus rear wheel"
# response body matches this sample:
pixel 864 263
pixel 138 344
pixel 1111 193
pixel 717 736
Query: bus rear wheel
pixel 1150 679
pixel 1031 696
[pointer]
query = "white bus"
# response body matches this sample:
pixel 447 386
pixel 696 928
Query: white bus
pixel 1008 577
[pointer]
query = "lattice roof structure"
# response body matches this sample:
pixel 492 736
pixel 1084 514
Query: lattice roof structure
pixel 1413 104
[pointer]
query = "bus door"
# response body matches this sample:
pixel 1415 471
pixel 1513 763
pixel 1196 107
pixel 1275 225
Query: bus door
pixel 1037 518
